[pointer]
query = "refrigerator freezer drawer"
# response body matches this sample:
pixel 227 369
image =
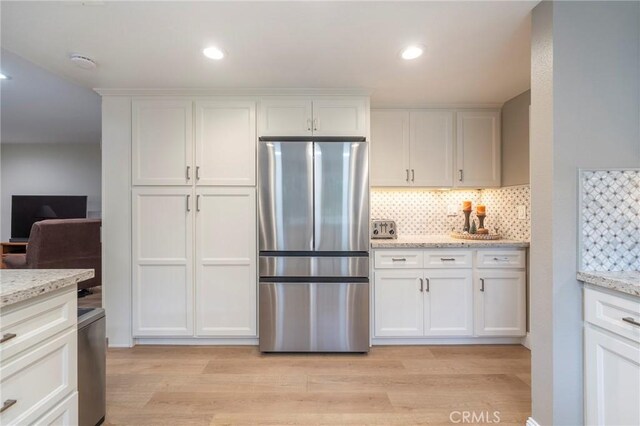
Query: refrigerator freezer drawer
pixel 313 266
pixel 314 317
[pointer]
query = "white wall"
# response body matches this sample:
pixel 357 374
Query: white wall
pixel 49 169
pixel 585 103
pixel 515 140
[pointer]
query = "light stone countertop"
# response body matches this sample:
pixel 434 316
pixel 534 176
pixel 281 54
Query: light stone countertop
pixel 444 241
pixel 17 285
pixel 625 282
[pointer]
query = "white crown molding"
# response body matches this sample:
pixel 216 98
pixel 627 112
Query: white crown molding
pixel 456 106
pixel 232 92
pixel 531 422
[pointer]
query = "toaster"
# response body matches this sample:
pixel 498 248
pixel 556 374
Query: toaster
pixel 383 229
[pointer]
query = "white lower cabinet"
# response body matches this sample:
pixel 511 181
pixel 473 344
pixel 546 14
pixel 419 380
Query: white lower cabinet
pixel 39 365
pixel 194 254
pixel 448 295
pixel 448 303
pixel 611 359
pixel 500 301
pixel 399 304
pixel 225 262
pixel 162 261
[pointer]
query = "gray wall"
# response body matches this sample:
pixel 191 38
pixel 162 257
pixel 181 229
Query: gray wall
pixel 515 140
pixel 585 113
pixel 49 169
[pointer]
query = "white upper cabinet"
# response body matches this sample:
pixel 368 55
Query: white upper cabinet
pixel 226 248
pixel 300 116
pixel 478 149
pixel 431 148
pixel 429 156
pixel 162 142
pixel 389 148
pixel 286 116
pixel 225 143
pixel 339 117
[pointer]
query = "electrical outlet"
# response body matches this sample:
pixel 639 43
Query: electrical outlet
pixel 522 212
pixel 452 210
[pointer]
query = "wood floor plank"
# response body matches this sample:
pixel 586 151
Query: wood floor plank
pixel 285 402
pixel 302 365
pixel 235 383
pixel 481 352
pixel 468 366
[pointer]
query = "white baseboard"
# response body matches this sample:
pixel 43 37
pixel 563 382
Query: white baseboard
pixel 526 341
pixel 381 341
pixel 253 341
pixel 531 422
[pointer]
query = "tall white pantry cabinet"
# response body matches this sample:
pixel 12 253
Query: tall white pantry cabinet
pixel 193 217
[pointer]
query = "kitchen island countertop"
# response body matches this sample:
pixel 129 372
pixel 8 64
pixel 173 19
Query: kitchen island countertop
pixel 444 241
pixel 625 282
pixel 17 285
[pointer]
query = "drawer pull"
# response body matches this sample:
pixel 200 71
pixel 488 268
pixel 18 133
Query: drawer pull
pixel 447 259
pixel 399 259
pixel 503 259
pixel 7 404
pixel 8 336
pixel 631 321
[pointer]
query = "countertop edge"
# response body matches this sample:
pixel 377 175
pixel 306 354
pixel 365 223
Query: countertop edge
pixel 611 283
pixel 24 294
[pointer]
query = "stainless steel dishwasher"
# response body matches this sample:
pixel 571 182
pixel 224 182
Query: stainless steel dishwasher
pixel 92 347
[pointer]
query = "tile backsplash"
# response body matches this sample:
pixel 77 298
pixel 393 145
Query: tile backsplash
pixel 424 211
pixel 610 220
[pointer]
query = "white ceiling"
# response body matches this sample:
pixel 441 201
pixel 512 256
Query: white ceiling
pixel 40 107
pixel 477 52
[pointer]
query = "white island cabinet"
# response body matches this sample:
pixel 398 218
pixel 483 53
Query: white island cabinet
pixel 457 295
pixel 612 349
pixel 38 346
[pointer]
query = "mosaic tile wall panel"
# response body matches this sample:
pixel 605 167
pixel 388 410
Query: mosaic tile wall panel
pixel 610 220
pixel 502 211
pixel 422 211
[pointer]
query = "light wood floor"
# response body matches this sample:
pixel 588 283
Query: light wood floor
pixel 398 385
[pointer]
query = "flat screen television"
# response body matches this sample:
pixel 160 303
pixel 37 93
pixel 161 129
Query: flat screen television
pixel 27 209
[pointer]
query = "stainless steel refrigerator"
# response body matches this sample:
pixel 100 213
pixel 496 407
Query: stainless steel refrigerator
pixel 313 203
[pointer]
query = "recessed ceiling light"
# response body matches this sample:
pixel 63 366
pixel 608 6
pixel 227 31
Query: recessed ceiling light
pixel 412 52
pixel 4 77
pixel 213 53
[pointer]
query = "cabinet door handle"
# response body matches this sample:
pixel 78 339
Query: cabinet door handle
pixel 188 208
pixel 308 124
pixel 481 284
pixel 399 259
pixel 428 283
pixel 315 124
pixel 198 202
pixel 407 179
pixel 7 336
pixel 421 284
pixel 631 321
pixel 461 175
pixel 188 172
pixel 413 175
pixel 7 404
pixel 197 172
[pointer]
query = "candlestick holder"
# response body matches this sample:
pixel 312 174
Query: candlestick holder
pixel 481 220
pixel 467 225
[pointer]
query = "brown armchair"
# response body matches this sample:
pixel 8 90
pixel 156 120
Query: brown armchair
pixel 63 244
